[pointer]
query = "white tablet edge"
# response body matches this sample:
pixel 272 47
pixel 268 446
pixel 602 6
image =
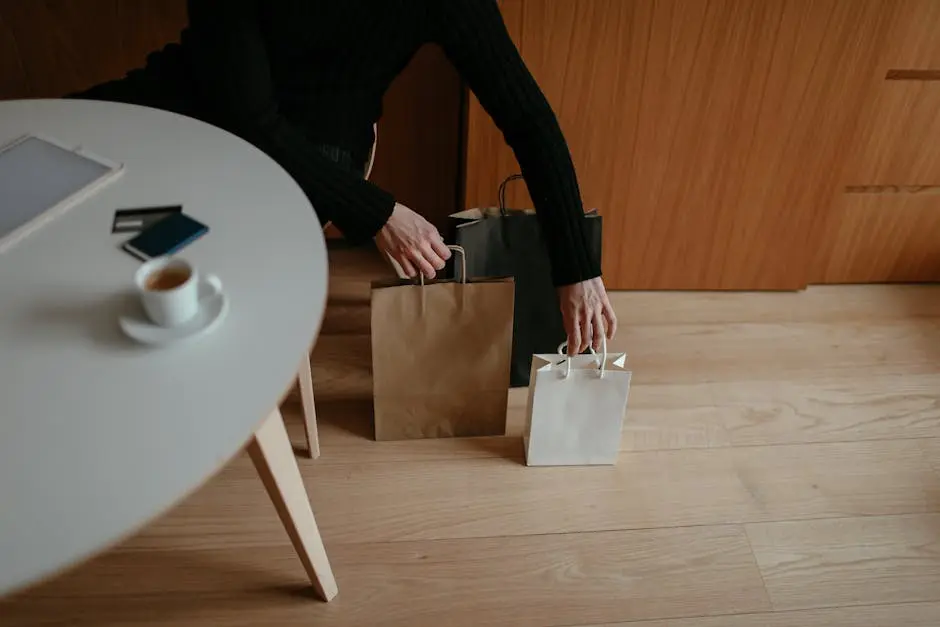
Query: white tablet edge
pixel 114 171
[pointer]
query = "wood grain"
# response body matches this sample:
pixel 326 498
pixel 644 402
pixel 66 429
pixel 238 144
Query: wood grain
pixel 832 410
pixel 677 349
pixel 849 561
pixel 877 345
pixel 894 144
pixel 703 415
pixel 663 416
pixel 931 449
pixel 913 42
pixel 886 237
pixel 709 134
pixel 423 501
pixel 62 46
pixel 272 456
pixel 883 233
pixel 908 614
pixel 308 403
pixel 538 580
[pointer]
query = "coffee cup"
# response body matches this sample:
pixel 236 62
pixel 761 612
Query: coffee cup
pixel 169 290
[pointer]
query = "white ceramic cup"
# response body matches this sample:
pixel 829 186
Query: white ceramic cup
pixel 168 307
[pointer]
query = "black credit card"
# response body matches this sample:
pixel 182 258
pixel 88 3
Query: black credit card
pixel 136 220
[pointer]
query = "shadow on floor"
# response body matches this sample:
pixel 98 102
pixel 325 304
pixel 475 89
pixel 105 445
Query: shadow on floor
pixel 119 588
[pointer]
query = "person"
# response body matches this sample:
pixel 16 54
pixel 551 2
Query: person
pixel 303 81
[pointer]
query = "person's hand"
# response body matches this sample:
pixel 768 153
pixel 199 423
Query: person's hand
pixel 413 243
pixel 588 315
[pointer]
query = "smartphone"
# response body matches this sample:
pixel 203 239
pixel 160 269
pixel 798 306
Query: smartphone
pixel 169 235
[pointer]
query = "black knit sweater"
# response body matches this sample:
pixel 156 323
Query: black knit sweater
pixel 288 75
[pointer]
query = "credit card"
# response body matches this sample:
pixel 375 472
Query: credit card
pixel 135 220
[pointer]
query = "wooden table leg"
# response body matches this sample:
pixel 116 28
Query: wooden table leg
pixel 305 383
pixel 271 452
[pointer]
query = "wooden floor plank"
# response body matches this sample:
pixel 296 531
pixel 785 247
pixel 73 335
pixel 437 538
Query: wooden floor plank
pixel 931 448
pixel 695 415
pixel 535 581
pixel 851 561
pixel 843 409
pixel 705 352
pixel 906 615
pixel 804 351
pixel 469 498
pixel 659 417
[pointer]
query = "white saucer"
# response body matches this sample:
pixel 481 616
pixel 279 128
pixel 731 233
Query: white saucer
pixel 213 307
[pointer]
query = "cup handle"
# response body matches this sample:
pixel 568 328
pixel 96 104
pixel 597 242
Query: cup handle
pixel 215 283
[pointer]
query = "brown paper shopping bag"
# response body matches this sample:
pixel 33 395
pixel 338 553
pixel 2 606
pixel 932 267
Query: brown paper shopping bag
pixel 440 357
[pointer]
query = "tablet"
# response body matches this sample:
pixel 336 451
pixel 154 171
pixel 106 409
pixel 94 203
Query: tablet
pixel 40 179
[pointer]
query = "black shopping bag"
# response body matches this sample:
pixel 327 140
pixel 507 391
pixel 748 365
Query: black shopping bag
pixel 508 242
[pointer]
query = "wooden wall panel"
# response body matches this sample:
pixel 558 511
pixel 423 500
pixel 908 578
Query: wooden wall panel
pixel 49 48
pixel 419 137
pixel 885 235
pixel 710 134
pixel 899 142
pixel 914 43
pixel 884 226
pixel 54 47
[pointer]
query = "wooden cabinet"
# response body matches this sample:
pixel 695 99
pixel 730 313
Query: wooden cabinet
pixel 715 137
pixel 885 223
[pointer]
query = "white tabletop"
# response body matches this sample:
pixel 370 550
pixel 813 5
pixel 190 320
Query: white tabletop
pixel 99 435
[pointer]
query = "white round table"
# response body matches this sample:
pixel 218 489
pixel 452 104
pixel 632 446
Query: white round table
pixel 99 435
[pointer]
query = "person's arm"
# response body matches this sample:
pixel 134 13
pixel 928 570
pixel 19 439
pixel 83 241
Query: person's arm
pixel 474 37
pixel 231 69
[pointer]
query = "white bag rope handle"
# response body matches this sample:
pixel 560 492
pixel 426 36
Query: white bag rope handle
pixel 463 264
pixel 602 368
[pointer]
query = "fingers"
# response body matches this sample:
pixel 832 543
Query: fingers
pixel 421 263
pixel 574 340
pixel 429 251
pixel 425 262
pixel 440 249
pixel 406 267
pixel 413 242
pixel 610 318
pixel 598 330
pixel 587 331
pixel 430 255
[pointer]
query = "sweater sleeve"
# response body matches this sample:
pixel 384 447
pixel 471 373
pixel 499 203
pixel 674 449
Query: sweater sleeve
pixel 474 37
pixel 232 71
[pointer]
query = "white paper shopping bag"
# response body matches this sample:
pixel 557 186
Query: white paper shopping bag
pixel 576 409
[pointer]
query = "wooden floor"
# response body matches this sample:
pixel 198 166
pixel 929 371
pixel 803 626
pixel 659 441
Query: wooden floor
pixel 780 467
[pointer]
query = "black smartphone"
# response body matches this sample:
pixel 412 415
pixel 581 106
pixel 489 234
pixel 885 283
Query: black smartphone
pixel 169 235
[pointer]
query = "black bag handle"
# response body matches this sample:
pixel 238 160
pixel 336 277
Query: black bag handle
pixel 502 192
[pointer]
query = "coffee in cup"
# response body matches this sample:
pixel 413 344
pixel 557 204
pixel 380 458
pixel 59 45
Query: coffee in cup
pixel 169 290
pixel 167 279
